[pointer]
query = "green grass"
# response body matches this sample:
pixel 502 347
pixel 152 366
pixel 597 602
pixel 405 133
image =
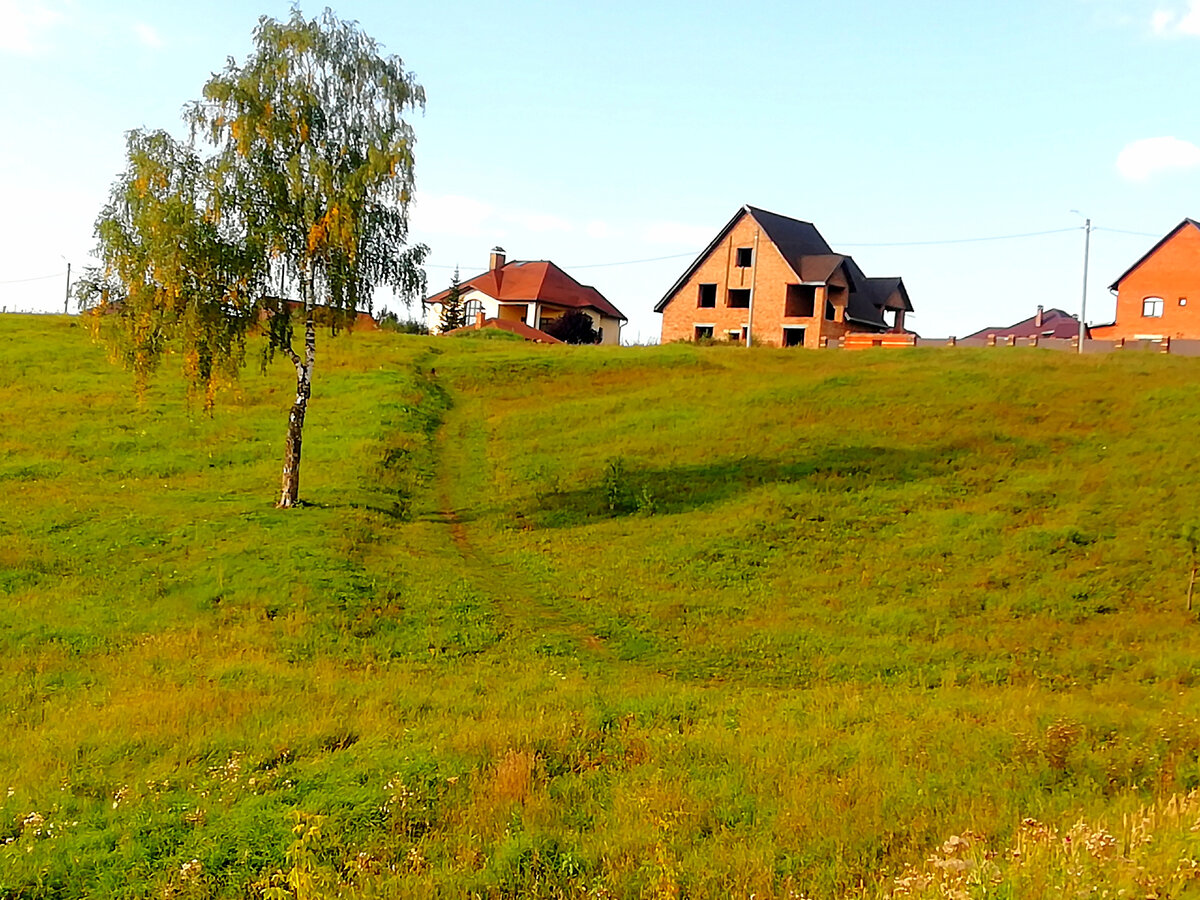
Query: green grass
pixel 591 622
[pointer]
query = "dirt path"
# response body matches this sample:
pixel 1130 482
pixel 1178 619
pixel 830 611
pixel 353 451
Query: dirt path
pixel 461 486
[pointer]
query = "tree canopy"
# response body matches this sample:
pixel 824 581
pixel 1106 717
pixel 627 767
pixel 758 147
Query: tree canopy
pixel 573 327
pixel 303 194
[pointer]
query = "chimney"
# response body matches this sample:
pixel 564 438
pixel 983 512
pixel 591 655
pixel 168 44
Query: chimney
pixel 479 318
pixel 497 259
pixel 1037 320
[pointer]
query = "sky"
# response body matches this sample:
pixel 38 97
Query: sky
pixel 944 141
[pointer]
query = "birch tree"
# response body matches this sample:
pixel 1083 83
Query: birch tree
pixel 308 182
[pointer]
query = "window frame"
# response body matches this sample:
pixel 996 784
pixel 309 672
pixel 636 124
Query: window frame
pixel 1152 307
pixel 744 253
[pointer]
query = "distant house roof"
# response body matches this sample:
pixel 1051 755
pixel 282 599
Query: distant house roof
pixel 537 281
pixel 1055 323
pixel 517 328
pixel 1174 231
pixel 813 262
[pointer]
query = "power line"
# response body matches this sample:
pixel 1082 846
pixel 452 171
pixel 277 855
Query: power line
pixel 970 240
pixel 627 262
pixel 38 278
pixel 1122 231
pixel 632 262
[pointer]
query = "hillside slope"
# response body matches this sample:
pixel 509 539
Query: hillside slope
pixel 566 622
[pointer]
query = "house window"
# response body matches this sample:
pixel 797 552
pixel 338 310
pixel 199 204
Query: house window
pixel 471 310
pixel 739 298
pixel 793 337
pixel 801 299
pixel 704 332
pixel 1183 301
pixel 735 336
pixel 1152 307
pixel 745 257
pixel 707 298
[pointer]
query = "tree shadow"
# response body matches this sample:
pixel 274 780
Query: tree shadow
pixel 626 489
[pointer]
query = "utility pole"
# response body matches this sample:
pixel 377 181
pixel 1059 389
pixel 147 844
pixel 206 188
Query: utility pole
pixel 1087 241
pixel 753 283
pixel 67 296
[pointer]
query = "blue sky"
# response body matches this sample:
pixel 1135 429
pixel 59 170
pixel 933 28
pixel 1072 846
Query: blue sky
pixel 593 134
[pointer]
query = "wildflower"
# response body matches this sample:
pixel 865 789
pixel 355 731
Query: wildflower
pixel 191 870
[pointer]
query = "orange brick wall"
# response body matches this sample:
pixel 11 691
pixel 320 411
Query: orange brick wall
pixel 682 315
pixel 1173 272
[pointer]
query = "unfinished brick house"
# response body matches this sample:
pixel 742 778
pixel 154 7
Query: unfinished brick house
pixel 1159 295
pixel 778 276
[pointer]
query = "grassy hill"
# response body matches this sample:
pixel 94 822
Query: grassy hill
pixel 566 622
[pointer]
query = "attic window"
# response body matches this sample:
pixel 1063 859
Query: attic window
pixel 707 297
pixel 1152 308
pixel 1183 301
pixel 745 257
pixel 739 298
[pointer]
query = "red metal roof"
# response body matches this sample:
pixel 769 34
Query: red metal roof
pixel 1055 323
pixel 518 328
pixel 541 281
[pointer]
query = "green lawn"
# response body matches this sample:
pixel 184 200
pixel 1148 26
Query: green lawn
pixel 598 622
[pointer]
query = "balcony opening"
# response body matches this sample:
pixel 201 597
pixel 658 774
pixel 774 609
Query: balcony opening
pixel 801 299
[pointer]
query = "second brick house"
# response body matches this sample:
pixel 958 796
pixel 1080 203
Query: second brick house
pixel 778 276
pixel 1159 295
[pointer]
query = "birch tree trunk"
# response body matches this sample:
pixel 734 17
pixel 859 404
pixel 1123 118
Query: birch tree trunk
pixel 289 492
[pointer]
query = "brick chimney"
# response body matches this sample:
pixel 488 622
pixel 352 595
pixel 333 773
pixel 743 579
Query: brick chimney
pixel 1037 320
pixel 496 261
pixel 478 320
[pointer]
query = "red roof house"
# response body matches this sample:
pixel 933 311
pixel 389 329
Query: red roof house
pixel 1045 323
pixel 531 292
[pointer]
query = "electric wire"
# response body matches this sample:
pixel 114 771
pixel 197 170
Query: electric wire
pixel 38 278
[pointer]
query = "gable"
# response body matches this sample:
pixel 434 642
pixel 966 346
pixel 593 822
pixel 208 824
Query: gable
pixel 1190 225
pixel 792 239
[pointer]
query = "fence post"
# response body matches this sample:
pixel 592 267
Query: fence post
pixel 1033 340
pixel 952 341
pixel 991 340
pixel 824 341
pixel 1075 343
pixel 1165 345
pixel 842 342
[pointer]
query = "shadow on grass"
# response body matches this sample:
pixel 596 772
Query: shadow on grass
pixel 624 490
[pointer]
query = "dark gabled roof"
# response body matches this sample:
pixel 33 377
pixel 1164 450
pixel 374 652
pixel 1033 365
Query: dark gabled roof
pixel 1174 231
pixel 1055 323
pixel 819 269
pixel 794 239
pixel 870 296
pixel 882 289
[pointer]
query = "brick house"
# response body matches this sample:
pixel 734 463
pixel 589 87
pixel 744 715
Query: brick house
pixel 779 273
pixel 534 292
pixel 1159 295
